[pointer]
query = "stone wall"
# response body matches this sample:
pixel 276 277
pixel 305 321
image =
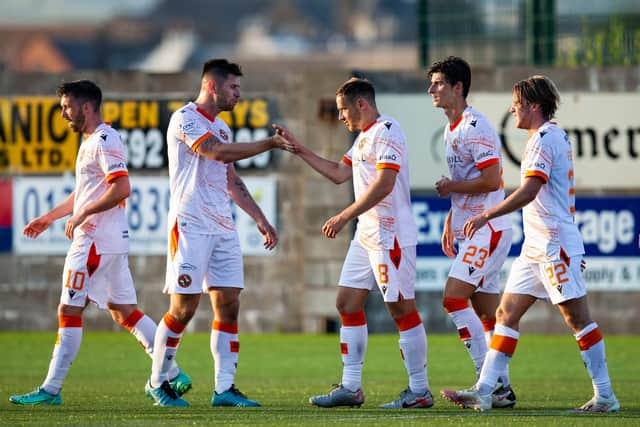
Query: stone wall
pixel 293 291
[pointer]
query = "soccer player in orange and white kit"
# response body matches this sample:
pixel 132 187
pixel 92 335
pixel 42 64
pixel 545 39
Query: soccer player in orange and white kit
pixel 549 266
pixel 204 249
pixel 472 148
pixel 383 251
pixel 96 268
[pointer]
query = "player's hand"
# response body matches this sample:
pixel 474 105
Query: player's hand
pixel 443 186
pixel 283 139
pixel 73 223
pixel 37 226
pixel 474 224
pixel 447 242
pixel 294 145
pixel 332 227
pixel 269 233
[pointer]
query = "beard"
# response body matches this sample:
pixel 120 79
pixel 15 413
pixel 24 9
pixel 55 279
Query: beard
pixel 77 124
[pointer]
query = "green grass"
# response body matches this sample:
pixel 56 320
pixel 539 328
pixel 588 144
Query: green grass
pixel 105 385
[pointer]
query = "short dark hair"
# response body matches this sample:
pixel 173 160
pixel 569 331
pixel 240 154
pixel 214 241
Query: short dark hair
pixel 220 68
pixel 455 70
pixel 82 90
pixel 356 88
pixel 538 90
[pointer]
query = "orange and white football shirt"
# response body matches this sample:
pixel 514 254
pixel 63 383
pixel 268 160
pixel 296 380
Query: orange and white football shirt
pixel 472 144
pixel 199 199
pixel 102 157
pixel 383 145
pixel 550 232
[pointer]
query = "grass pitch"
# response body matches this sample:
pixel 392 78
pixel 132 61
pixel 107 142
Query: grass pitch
pixel 105 384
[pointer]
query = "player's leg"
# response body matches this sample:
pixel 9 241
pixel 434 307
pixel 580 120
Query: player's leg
pixel 575 311
pixel 356 280
pixel 456 304
pixel 124 311
pixel 187 258
pixel 65 351
pixel 395 272
pixel 224 281
pixel 522 290
pixel 80 267
pixel 413 350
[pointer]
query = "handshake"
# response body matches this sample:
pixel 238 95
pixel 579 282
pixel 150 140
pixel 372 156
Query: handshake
pixel 285 140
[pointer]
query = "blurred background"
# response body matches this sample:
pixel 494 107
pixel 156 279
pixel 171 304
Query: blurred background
pixel 146 55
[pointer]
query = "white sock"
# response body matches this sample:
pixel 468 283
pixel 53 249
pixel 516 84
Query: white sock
pixel 166 342
pixel 469 328
pixel 143 328
pixel 593 354
pixel 413 349
pixel 503 346
pixel 489 326
pixel 354 335
pixel 64 352
pixel 224 349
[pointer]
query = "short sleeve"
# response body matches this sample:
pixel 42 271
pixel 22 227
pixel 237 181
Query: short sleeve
pixel 111 156
pixel 389 147
pixel 538 159
pixel 192 129
pixel 484 148
pixel 348 156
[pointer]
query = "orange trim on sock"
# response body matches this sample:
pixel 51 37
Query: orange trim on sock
pixel 173 342
pixel 589 340
pixel 409 321
pixel 464 333
pixel 132 320
pixel 65 321
pixel 454 304
pixel 230 328
pixel 354 319
pixel 506 345
pixel 173 324
pixel 344 348
pixel 489 324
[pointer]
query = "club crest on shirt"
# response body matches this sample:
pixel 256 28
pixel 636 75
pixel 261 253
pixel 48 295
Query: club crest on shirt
pixel 454 144
pixel 224 135
pixel 362 143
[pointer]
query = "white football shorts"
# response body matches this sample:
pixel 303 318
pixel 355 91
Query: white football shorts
pixel 197 262
pixel 554 280
pixel 480 259
pixel 99 279
pixel 393 271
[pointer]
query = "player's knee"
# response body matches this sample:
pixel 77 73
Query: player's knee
pixel 504 317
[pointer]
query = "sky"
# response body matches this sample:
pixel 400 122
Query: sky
pixel 27 12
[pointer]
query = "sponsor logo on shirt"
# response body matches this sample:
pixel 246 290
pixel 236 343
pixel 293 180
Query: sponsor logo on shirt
pixel 188 126
pixel 187 266
pixel 387 157
pixel 485 154
pixel 117 166
pixel 224 135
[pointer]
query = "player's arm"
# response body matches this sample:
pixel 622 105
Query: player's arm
pixel 489 180
pixel 239 193
pixel 214 149
pixel 381 187
pixel 447 240
pixel 337 172
pixel 516 200
pixel 41 223
pixel 118 190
